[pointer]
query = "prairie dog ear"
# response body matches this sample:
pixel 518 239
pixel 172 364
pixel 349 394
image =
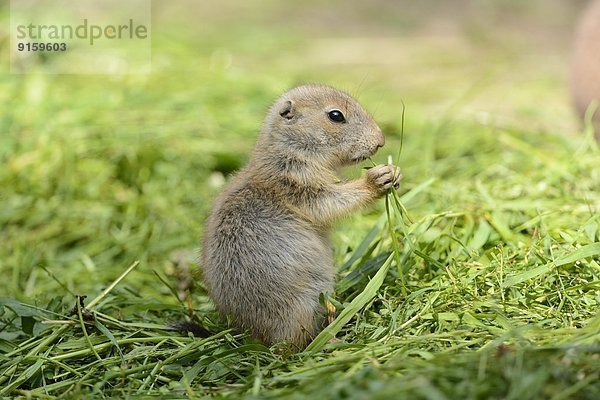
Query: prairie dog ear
pixel 288 110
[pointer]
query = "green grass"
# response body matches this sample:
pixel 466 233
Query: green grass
pixel 478 279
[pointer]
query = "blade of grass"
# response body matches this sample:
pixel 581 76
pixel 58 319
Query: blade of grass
pixel 109 335
pixel 85 334
pixel 364 244
pixel 110 287
pixel 530 274
pixel 395 248
pixel 408 196
pixel 589 250
pixel 354 307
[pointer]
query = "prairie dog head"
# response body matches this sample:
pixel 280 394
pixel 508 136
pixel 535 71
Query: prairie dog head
pixel 323 122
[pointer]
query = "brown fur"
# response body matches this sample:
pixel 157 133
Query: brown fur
pixel 266 255
pixel 585 68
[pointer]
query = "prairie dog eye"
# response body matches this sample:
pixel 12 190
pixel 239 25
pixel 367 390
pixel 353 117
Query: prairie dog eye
pixel 336 116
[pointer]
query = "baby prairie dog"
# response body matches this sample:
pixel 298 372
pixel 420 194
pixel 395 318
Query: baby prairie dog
pixel 585 66
pixel 266 255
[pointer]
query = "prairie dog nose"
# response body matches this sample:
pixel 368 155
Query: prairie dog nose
pixel 380 138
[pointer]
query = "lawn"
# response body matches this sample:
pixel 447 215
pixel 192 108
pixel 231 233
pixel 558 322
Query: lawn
pixel 478 279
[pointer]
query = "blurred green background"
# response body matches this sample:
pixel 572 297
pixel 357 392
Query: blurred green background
pixel 97 171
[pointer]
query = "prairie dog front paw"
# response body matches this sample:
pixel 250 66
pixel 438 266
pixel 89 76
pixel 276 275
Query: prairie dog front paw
pixel 383 177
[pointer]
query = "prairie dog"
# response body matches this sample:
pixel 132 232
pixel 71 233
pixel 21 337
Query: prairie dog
pixel 585 67
pixel 266 254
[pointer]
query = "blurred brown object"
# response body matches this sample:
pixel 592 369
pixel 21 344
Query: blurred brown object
pixel 585 68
